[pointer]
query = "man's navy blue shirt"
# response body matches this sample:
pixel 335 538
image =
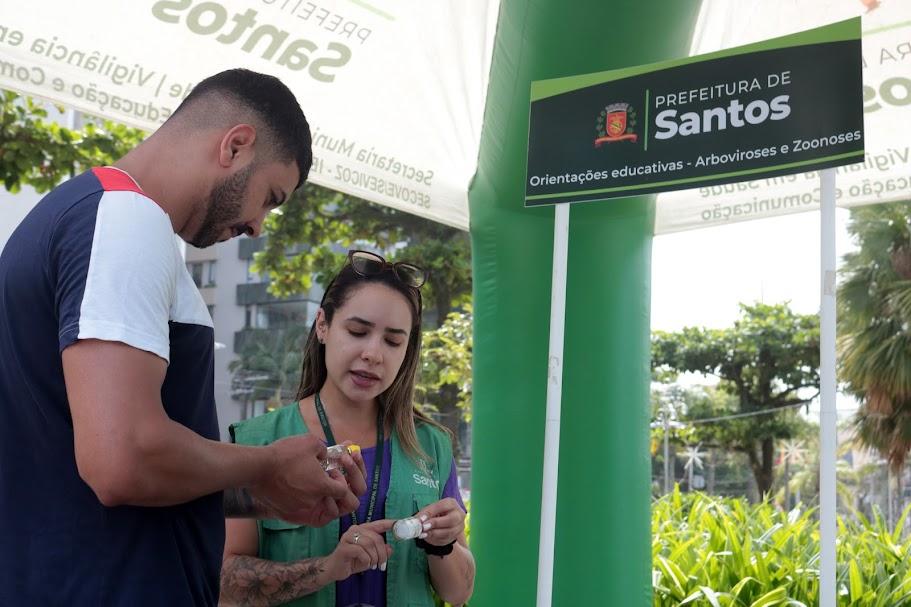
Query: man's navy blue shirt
pixel 97 259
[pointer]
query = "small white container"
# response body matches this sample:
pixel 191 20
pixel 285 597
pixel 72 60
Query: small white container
pixel 407 528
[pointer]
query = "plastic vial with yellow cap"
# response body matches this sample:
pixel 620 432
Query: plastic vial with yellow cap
pixel 335 452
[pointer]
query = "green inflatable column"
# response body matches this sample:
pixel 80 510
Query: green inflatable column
pixel 602 549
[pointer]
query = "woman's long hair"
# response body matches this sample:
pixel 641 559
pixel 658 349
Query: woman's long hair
pixel 397 400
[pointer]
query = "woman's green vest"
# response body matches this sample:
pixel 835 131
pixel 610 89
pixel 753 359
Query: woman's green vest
pixel 412 486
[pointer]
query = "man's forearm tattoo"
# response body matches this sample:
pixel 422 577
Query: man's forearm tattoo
pixel 240 504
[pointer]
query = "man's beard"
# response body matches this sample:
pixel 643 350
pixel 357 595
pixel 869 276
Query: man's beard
pixel 223 209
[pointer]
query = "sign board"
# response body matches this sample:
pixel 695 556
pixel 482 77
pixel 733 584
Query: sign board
pixel 787 105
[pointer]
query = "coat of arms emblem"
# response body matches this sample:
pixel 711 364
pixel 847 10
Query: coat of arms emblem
pixel 617 122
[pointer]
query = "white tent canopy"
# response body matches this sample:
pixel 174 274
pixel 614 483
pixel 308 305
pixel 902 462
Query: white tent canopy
pixel 395 92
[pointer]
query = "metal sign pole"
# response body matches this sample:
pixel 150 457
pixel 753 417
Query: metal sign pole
pixel 827 417
pixel 554 401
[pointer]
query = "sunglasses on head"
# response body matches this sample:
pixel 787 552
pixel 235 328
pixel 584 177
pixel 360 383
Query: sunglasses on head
pixel 365 263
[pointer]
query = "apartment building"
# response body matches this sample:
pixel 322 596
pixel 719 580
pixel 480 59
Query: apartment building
pixel 242 310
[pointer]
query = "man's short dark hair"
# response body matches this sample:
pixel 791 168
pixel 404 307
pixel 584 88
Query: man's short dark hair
pixel 273 104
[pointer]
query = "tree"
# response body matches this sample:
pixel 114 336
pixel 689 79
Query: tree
pixel 445 378
pixel 874 317
pixel 767 362
pixel 38 152
pixel 309 237
pixel 447 359
pixel 707 415
pixel 269 365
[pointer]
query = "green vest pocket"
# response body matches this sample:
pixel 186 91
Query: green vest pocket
pixel 281 541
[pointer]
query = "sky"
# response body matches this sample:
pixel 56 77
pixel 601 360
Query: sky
pixel 699 277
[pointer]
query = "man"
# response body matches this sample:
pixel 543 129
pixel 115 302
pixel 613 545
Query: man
pixel 111 472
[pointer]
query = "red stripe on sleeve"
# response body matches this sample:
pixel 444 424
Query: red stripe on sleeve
pixel 113 180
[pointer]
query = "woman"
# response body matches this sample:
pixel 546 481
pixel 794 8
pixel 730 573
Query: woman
pixel 358 377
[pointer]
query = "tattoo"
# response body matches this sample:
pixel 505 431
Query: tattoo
pixel 253 582
pixel 240 504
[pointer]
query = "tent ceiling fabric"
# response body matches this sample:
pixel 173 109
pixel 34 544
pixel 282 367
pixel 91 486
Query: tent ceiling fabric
pixel 886 174
pixel 394 90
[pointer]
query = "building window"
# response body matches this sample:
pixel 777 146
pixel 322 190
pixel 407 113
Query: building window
pixel 195 269
pixel 247 317
pixel 262 318
pixel 284 314
pixel 210 274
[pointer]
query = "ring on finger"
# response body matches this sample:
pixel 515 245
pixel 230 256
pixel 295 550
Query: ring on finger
pixel 357 536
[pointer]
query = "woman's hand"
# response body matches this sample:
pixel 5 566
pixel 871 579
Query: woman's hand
pixel 444 522
pixel 361 547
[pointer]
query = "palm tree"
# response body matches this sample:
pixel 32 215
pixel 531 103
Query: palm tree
pixel 874 324
pixel 270 363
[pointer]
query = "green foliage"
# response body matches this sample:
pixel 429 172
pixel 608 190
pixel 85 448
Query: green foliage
pixel 40 153
pixel 723 552
pixel 725 467
pixel 269 366
pixel 770 351
pixel 874 316
pixel 446 364
pixel 767 362
pixel 689 403
pixel 318 226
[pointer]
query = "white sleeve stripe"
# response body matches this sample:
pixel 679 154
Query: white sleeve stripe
pixel 132 274
pixel 107 331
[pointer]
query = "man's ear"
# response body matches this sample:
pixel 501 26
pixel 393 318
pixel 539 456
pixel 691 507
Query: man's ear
pixel 236 146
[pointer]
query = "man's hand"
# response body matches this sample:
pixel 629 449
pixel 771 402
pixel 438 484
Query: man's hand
pixel 298 490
